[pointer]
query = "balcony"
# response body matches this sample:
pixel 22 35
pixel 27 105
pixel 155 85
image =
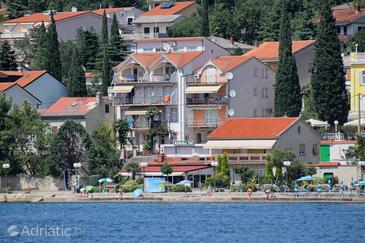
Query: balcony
pixel 332 136
pixel 246 159
pixel 155 100
pixel 218 100
pixel 11 35
pixel 131 79
pixel 144 124
pixel 207 122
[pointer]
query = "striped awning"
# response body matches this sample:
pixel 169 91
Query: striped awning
pixel 239 144
pixel 135 113
pixel 202 89
pixel 123 88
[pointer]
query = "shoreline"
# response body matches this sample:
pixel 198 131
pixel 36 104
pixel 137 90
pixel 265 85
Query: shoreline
pixel 234 197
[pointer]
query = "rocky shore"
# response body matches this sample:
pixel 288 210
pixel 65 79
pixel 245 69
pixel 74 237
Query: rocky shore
pixel 60 197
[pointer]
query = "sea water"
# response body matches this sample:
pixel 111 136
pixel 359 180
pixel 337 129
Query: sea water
pixel 182 222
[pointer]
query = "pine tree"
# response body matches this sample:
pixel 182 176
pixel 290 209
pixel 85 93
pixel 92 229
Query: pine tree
pixel 205 21
pixel 7 57
pixel 117 47
pixel 76 85
pixel 39 60
pixel 54 66
pixel 287 89
pixel 328 77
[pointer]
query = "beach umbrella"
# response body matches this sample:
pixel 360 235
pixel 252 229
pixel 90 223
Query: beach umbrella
pixel 306 178
pixel 137 192
pixel 105 180
pixel 361 183
pixel 184 183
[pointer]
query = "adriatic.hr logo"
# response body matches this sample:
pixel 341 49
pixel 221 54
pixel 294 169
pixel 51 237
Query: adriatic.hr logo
pixel 45 230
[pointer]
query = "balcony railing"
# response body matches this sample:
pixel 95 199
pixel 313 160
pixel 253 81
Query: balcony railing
pixel 155 100
pixel 13 35
pixel 206 122
pixel 206 101
pixel 238 159
pixel 332 136
pixel 130 78
pixel 144 124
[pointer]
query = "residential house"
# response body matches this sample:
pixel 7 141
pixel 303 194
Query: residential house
pixel 303 51
pixel 125 16
pixel 67 24
pixel 91 112
pixel 335 150
pixel 230 45
pixel 349 21
pixel 356 74
pixel 156 22
pixel 224 87
pixel 156 75
pixel 41 85
pixel 249 140
pixel 17 94
pixel 154 3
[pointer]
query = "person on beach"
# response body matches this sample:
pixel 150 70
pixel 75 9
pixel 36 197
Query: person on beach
pixel 249 193
pixel 268 192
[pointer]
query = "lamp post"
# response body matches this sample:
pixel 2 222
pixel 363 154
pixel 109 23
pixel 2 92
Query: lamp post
pixel 77 167
pixel 336 129
pixel 6 166
pixel 214 164
pixel 286 164
pixel 361 164
pixel 143 165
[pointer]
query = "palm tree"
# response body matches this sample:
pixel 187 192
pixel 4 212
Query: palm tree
pixel 132 168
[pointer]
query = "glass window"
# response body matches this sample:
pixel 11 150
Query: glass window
pixel 173 116
pixel 315 149
pixel 301 149
pixel 255 91
pixel 146 30
pixel 156 29
pixel 255 72
pixel 106 108
pixel 362 77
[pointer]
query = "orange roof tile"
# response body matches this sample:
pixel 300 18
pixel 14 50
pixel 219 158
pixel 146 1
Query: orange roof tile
pixel 270 50
pixel 41 17
pixel 331 142
pixel 348 15
pixel 70 106
pixel 178 6
pixel 227 63
pixel 180 59
pixel 7 85
pixel 146 59
pixel 26 77
pixel 253 128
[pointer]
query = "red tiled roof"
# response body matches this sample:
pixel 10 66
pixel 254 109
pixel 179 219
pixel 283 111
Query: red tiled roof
pixel 7 85
pixel 270 50
pixel 146 59
pixel 26 77
pixel 71 106
pixel 178 6
pixel 227 63
pixel 348 15
pixel 323 164
pixel 41 17
pixel 253 128
pixel 180 59
pixel 331 142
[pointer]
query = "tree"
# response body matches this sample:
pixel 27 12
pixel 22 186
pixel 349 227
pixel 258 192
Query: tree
pixel 270 24
pixel 205 20
pixel 310 170
pixel 76 85
pixel 246 173
pixel 66 51
pixel 132 168
pixel 288 99
pixel 104 30
pixel 328 76
pixel 106 152
pixel 220 22
pixel 276 159
pixel 16 8
pixel 187 27
pixel 39 60
pixel 123 131
pixel 54 66
pixel 359 39
pixel 308 111
pixel 106 74
pixel 117 46
pixel 71 145
pixel 7 57
pixel 166 169
pixel 225 166
pixel 155 129
pixel 87 43
pixel 303 25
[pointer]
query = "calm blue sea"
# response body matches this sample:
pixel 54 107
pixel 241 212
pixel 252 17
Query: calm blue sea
pixel 182 222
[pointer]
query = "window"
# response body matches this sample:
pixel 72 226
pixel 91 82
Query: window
pixel 299 129
pixel 255 72
pixel 265 73
pixel 173 116
pixel 345 30
pixel 156 29
pixel 255 91
pixel 106 108
pixel 338 28
pixel 315 149
pixel 362 77
pixel 264 93
pixel 301 149
pixel 146 30
pixel 147 49
pixel 130 21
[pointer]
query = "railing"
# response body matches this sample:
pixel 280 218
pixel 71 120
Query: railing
pixel 144 124
pixel 206 122
pixel 13 35
pixel 238 159
pixel 161 78
pixel 130 79
pixel 206 101
pixel 155 100
pixel 333 136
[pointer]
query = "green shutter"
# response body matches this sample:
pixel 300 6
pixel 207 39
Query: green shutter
pixel 325 153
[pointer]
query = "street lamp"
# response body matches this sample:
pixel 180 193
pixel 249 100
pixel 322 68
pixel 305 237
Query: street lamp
pixel 336 129
pixel 143 165
pixel 77 167
pixel 214 164
pixel 6 166
pixel 361 164
pixel 286 164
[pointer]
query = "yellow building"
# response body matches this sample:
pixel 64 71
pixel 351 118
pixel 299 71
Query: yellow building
pixel 357 84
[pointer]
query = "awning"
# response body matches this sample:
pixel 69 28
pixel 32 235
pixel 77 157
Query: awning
pixel 202 89
pixel 123 88
pixel 239 144
pixel 135 113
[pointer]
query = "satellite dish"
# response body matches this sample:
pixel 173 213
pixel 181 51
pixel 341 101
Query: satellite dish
pixel 230 112
pixel 166 46
pixel 229 75
pixel 232 93
pixel 74 9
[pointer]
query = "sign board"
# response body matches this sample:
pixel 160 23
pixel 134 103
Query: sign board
pixel 183 144
pixel 156 184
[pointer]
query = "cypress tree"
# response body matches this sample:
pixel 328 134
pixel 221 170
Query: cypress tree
pixel 76 85
pixel 39 60
pixel 88 46
pixel 205 21
pixel 117 46
pixel 328 77
pixel 288 99
pixel 7 57
pixel 106 74
pixel 54 66
pixel 104 30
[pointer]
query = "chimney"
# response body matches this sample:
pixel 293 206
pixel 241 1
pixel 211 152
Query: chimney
pixel 231 39
pixel 99 97
pixel 20 68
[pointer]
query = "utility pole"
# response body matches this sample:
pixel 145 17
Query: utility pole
pixel 359 113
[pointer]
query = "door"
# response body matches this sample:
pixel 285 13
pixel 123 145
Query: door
pixel 211 78
pixel 325 153
pixel 211 117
